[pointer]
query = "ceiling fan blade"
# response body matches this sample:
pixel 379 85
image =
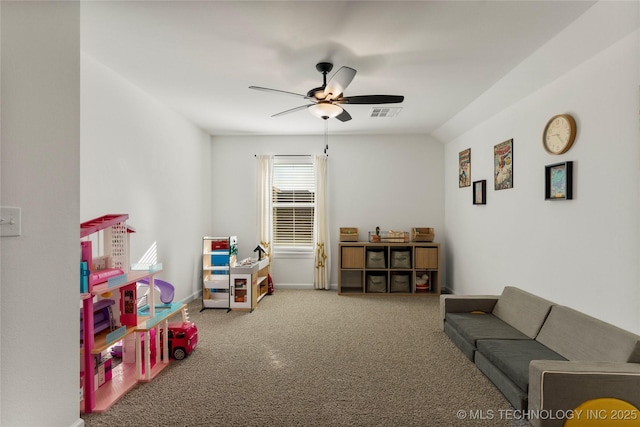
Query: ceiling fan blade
pixel 344 116
pixel 293 110
pixel 339 82
pixel 371 99
pixel 284 92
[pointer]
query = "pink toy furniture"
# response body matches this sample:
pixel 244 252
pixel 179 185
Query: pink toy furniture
pixel 110 315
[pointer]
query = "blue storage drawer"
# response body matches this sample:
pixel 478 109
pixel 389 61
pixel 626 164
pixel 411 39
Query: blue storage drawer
pixel 220 260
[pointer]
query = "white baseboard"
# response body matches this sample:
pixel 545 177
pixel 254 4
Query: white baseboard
pixel 193 296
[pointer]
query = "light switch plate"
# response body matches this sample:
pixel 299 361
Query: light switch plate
pixel 10 221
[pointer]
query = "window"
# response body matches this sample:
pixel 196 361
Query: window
pixel 293 203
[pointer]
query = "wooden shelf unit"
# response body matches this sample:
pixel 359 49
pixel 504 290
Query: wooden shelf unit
pixel 388 268
pixel 249 284
pixel 262 287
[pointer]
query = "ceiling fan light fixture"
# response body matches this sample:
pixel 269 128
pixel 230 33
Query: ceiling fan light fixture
pixel 325 110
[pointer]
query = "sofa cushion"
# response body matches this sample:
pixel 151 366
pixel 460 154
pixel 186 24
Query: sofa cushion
pixel 634 357
pixel 512 357
pixel 467 348
pixel 513 393
pixel 577 336
pixel 474 327
pixel 524 311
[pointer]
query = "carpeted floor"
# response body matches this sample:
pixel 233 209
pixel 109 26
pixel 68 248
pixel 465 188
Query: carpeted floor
pixel 313 358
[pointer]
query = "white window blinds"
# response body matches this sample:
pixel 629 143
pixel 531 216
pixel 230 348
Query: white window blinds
pixel 293 202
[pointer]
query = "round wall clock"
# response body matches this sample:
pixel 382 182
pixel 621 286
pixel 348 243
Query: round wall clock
pixel 559 134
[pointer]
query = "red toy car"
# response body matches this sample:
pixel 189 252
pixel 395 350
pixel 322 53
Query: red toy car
pixel 183 339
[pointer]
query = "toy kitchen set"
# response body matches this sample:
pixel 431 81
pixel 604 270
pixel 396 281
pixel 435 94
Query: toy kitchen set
pixel 227 283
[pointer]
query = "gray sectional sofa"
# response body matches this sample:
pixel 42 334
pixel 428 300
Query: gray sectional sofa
pixel 544 357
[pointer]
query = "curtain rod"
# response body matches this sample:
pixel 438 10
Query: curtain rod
pixel 288 155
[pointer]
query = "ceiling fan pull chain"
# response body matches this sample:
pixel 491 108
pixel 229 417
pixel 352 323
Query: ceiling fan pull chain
pixel 326 136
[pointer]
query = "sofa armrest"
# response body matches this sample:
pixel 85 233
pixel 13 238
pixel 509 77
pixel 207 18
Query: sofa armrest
pixel 465 304
pixel 559 386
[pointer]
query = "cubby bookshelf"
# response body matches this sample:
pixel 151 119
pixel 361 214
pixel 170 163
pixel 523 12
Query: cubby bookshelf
pixel 389 268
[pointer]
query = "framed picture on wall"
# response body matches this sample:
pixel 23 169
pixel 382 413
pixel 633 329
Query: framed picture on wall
pixel 558 181
pixel 480 192
pixel 464 168
pixel 503 165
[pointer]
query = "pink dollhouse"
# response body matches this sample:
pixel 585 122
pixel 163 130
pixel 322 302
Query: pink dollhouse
pixel 110 315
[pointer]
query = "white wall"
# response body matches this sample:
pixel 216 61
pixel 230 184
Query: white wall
pixel 584 252
pixel 140 158
pixel 39 303
pixel 395 182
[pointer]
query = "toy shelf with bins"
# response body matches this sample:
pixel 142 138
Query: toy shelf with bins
pixel 406 268
pixel 218 255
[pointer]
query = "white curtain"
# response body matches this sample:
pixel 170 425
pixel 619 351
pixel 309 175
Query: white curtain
pixel 264 201
pixel 322 244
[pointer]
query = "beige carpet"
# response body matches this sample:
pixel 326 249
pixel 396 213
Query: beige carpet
pixel 313 358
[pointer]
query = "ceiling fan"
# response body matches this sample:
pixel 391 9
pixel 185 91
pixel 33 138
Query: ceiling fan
pixel 327 99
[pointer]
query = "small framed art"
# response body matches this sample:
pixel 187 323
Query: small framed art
pixel 558 181
pixel 480 192
pixel 503 165
pixel 464 168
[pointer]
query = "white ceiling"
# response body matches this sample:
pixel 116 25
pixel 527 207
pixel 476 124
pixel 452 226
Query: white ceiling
pixel 199 58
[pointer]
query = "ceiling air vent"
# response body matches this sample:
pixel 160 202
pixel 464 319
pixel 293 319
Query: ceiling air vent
pixel 385 111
